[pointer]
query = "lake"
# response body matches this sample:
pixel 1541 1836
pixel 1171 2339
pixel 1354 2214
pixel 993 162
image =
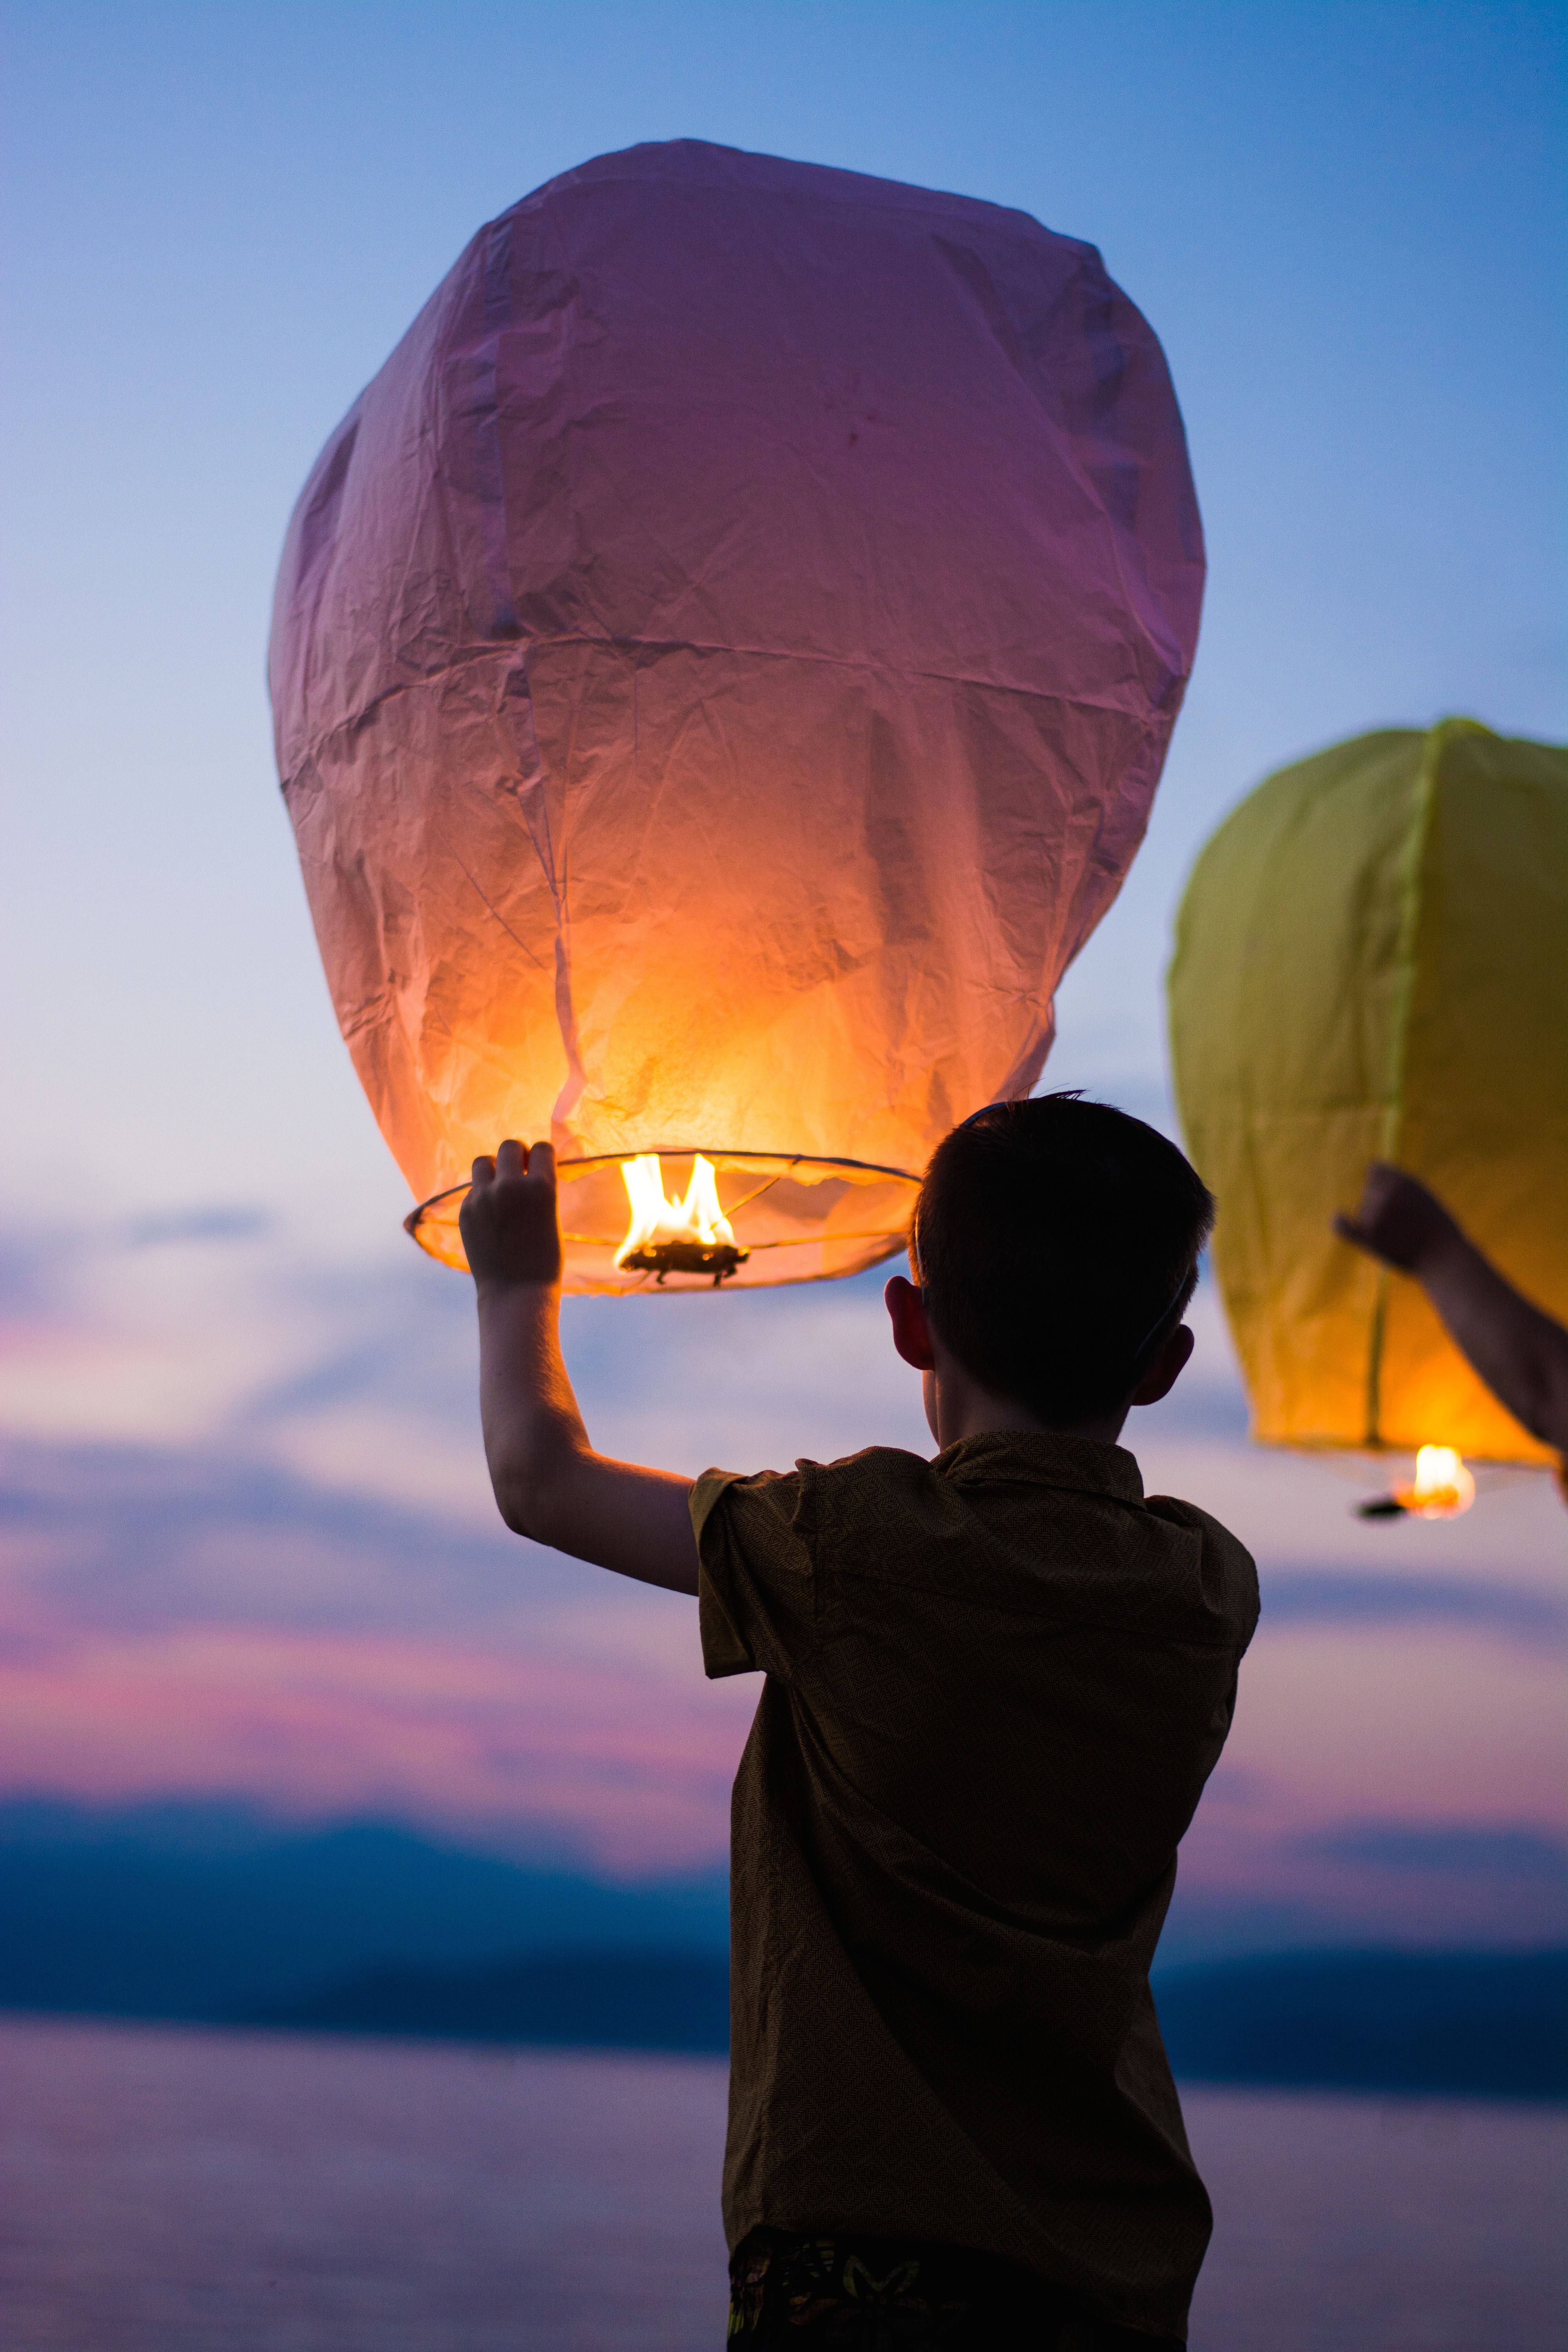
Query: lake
pixel 167 2190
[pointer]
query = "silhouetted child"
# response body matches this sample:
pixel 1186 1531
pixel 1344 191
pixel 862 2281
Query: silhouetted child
pixel 996 1684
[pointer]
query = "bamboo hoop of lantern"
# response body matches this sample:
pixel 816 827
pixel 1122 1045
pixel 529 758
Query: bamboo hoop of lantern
pixel 720 667
pixel 1372 962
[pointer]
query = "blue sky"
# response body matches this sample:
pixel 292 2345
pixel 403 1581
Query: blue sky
pixel 1345 223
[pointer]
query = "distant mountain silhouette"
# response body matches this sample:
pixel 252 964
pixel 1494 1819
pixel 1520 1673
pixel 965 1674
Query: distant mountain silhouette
pixel 604 1999
pixel 197 1912
pixel 211 1916
pixel 1491 2023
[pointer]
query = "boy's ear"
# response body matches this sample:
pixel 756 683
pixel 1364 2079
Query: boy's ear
pixel 1166 1368
pixel 911 1332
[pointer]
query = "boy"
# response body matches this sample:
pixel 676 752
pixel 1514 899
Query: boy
pixel 996 1684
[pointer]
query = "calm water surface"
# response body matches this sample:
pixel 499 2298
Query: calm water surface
pixel 172 2192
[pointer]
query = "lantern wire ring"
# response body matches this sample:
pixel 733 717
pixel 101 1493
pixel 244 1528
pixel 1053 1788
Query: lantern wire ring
pixel 415 1216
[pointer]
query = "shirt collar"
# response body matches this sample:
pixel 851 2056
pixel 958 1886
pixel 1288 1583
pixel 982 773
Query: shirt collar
pixel 1038 1457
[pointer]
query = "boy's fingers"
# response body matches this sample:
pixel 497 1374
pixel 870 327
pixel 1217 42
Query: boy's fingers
pixel 483 1172
pixel 541 1161
pixel 511 1160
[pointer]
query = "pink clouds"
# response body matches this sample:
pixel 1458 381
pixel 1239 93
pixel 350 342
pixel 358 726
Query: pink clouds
pixel 631 1766
pixel 251 1554
pixel 1427 1722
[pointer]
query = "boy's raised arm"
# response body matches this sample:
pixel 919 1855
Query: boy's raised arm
pixel 548 1482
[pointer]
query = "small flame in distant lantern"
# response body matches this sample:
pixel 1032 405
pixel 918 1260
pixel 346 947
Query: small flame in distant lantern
pixel 689 1236
pixel 1443 1487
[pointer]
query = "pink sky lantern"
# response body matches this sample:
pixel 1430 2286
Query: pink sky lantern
pixel 721 667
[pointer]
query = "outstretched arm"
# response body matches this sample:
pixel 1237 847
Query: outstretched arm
pixel 548 1482
pixel 1520 1353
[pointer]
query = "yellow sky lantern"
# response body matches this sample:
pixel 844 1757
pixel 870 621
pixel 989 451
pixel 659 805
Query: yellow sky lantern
pixel 720 667
pixel 1372 962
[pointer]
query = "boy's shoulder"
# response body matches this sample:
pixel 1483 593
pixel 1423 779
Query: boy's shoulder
pixel 1025 1518
pixel 1034 1472
pixel 1226 1570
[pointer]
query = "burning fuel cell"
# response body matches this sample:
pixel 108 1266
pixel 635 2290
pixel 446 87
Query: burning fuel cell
pixel 1441 1488
pixel 1372 963
pixel 721 667
pixel 689 1236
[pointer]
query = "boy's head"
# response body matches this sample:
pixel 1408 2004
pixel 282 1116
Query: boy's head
pixel 1056 1243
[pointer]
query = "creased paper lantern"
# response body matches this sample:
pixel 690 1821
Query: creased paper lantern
pixel 720 666
pixel 1372 962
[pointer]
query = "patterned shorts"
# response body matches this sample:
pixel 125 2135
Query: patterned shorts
pixel 895 2294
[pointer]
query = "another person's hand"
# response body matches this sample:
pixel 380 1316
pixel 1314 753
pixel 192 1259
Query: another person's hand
pixel 508 1222
pixel 1515 1347
pixel 1398 1220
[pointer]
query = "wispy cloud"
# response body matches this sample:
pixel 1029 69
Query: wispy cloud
pixel 1353 1597
pixel 213 1221
pixel 251 1554
pixel 1503 1853
pixel 1249 1881
pixel 622 1762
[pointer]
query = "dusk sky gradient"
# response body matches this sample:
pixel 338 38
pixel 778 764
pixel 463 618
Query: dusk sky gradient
pixel 250 1547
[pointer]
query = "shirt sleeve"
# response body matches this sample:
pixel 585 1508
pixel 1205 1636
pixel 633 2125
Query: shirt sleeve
pixel 1228 1571
pixel 757 1586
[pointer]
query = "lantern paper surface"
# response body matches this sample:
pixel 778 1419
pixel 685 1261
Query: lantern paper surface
pixel 721 667
pixel 1372 962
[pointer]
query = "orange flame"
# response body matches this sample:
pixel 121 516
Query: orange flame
pixel 697 1218
pixel 1443 1487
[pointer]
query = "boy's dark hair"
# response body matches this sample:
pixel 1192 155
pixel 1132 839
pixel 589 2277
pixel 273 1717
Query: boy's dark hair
pixel 1056 1242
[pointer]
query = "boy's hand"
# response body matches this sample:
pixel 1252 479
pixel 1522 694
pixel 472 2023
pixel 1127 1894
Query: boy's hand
pixel 1398 1220
pixel 508 1222
pixel 548 1482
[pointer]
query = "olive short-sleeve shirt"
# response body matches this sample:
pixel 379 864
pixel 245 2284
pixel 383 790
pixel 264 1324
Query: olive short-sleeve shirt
pixel 995 1684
